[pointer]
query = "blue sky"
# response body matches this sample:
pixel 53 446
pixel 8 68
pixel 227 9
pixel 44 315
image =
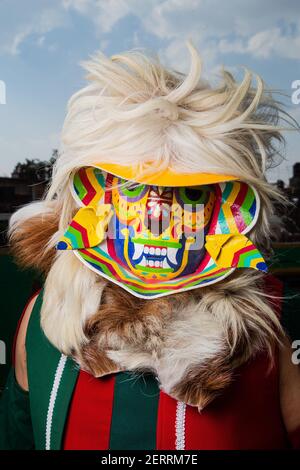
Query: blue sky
pixel 43 41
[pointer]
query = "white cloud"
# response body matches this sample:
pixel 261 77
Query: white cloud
pixel 12 47
pixel 104 13
pixel 110 13
pixel 28 24
pixel 41 40
pixel 173 18
pixel 82 6
pixel 216 27
pixel 265 44
pixel 221 27
pixel 268 29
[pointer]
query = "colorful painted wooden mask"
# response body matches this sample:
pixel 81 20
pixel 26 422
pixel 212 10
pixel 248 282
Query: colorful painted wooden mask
pixel 156 240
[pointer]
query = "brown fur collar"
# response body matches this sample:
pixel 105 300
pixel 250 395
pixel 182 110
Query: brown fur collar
pixel 29 241
pixel 134 334
pixel 198 386
pixel 180 337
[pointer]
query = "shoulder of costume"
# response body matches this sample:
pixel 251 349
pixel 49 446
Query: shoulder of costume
pixel 51 377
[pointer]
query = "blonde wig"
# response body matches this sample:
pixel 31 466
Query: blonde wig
pixel 136 111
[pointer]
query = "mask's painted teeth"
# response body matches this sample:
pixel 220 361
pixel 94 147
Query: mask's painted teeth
pixel 154 256
pixel 157 264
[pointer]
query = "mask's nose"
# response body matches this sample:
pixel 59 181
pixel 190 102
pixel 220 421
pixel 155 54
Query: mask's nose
pixel 158 209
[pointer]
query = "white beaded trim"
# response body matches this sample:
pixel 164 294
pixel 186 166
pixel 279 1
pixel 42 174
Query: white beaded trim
pixel 57 378
pixel 180 425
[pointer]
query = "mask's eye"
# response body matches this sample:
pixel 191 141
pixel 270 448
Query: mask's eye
pixel 132 191
pixel 194 194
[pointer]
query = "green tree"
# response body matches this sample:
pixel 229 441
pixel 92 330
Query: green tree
pixel 35 170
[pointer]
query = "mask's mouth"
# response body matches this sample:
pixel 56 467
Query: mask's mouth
pixel 156 256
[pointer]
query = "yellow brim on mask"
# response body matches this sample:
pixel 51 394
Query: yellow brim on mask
pixel 163 178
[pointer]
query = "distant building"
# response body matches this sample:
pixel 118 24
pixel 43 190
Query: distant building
pixel 287 218
pixel 295 181
pixel 14 193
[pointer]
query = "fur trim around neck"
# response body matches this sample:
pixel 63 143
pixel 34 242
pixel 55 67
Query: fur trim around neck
pixel 185 339
pixel 193 342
